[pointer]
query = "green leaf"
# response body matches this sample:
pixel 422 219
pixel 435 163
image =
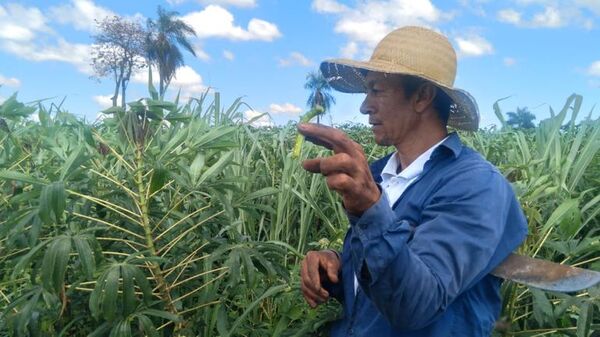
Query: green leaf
pixel 586 315
pixel 129 300
pixel 13 109
pixel 162 314
pixel 151 88
pixel 196 167
pixel 121 329
pixel 25 259
pixel 54 264
pixel 18 176
pixel 52 201
pixel 222 320
pixel 560 212
pixel 86 256
pixel 571 222
pixel 73 162
pixel 248 268
pixel 111 292
pixel 113 110
pixel 542 308
pixel 216 168
pixel 160 176
pixel 95 302
pixel 143 283
pixel 147 326
pixel 100 331
pixel 264 192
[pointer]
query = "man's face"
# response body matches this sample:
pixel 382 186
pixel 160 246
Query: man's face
pixel 391 113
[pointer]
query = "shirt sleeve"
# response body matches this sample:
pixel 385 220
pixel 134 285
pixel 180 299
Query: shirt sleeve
pixel 412 279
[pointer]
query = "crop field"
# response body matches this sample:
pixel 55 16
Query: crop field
pixel 180 219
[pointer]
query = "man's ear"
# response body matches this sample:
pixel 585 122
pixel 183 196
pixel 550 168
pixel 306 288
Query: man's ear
pixel 424 96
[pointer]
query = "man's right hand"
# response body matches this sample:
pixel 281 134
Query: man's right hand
pixel 318 267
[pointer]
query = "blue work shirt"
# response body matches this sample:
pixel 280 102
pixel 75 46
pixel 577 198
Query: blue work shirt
pixel 423 265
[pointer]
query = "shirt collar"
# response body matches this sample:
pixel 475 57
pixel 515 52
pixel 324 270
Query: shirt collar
pixel 414 169
pixel 453 143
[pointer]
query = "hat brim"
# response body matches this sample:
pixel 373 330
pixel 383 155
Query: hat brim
pixel 349 76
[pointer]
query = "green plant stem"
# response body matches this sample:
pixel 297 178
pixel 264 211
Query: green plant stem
pixel 163 287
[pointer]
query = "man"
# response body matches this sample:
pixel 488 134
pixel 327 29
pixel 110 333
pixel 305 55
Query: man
pixel 428 222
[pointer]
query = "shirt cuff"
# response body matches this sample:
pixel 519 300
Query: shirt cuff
pixel 375 221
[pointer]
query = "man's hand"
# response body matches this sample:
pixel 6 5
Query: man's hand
pixel 318 267
pixel 347 171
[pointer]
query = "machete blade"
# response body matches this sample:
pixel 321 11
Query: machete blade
pixel 546 275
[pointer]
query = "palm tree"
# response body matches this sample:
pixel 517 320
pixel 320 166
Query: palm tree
pixel 319 91
pixel 165 36
pixel 521 119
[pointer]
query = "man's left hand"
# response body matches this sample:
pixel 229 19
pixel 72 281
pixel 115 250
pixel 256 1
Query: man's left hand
pixel 347 171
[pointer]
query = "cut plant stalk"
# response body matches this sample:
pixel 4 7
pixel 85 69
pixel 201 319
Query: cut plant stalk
pixel 312 113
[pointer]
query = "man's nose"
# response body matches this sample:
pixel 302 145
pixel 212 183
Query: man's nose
pixel 365 107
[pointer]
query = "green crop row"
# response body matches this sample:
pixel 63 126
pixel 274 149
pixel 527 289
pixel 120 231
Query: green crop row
pixel 169 219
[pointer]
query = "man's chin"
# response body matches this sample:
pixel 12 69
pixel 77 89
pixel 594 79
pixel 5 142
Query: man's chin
pixel 380 141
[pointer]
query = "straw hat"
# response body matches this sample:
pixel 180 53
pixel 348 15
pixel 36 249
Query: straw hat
pixel 412 51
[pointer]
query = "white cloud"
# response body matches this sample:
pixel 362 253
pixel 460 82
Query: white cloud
pixel 549 18
pixel 551 13
pixel 509 61
pixel 475 6
pixel 25 33
pixel 349 50
pixel 82 14
pixel 104 101
pixel 228 55
pixel 20 23
pixel 236 3
pixel 473 45
pixel 63 51
pixel 216 21
pixel 370 20
pixel 285 109
pixel 594 69
pixel 509 15
pixel 9 81
pixel 200 53
pixel 328 6
pixel 591 5
pixel 295 58
pixel 264 120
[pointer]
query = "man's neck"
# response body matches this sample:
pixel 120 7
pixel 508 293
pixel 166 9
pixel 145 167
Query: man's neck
pixel 413 147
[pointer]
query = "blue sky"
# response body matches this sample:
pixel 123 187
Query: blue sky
pixel 536 51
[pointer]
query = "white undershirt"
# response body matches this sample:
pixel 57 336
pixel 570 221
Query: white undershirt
pixel 394 184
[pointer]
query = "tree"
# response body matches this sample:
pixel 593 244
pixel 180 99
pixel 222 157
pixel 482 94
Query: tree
pixel 118 51
pixel 164 38
pixel 521 119
pixel 319 91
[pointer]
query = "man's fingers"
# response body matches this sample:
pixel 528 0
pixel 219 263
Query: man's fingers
pixel 314 283
pixel 338 163
pixel 312 165
pixel 332 273
pixel 311 282
pixel 311 296
pixel 328 137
